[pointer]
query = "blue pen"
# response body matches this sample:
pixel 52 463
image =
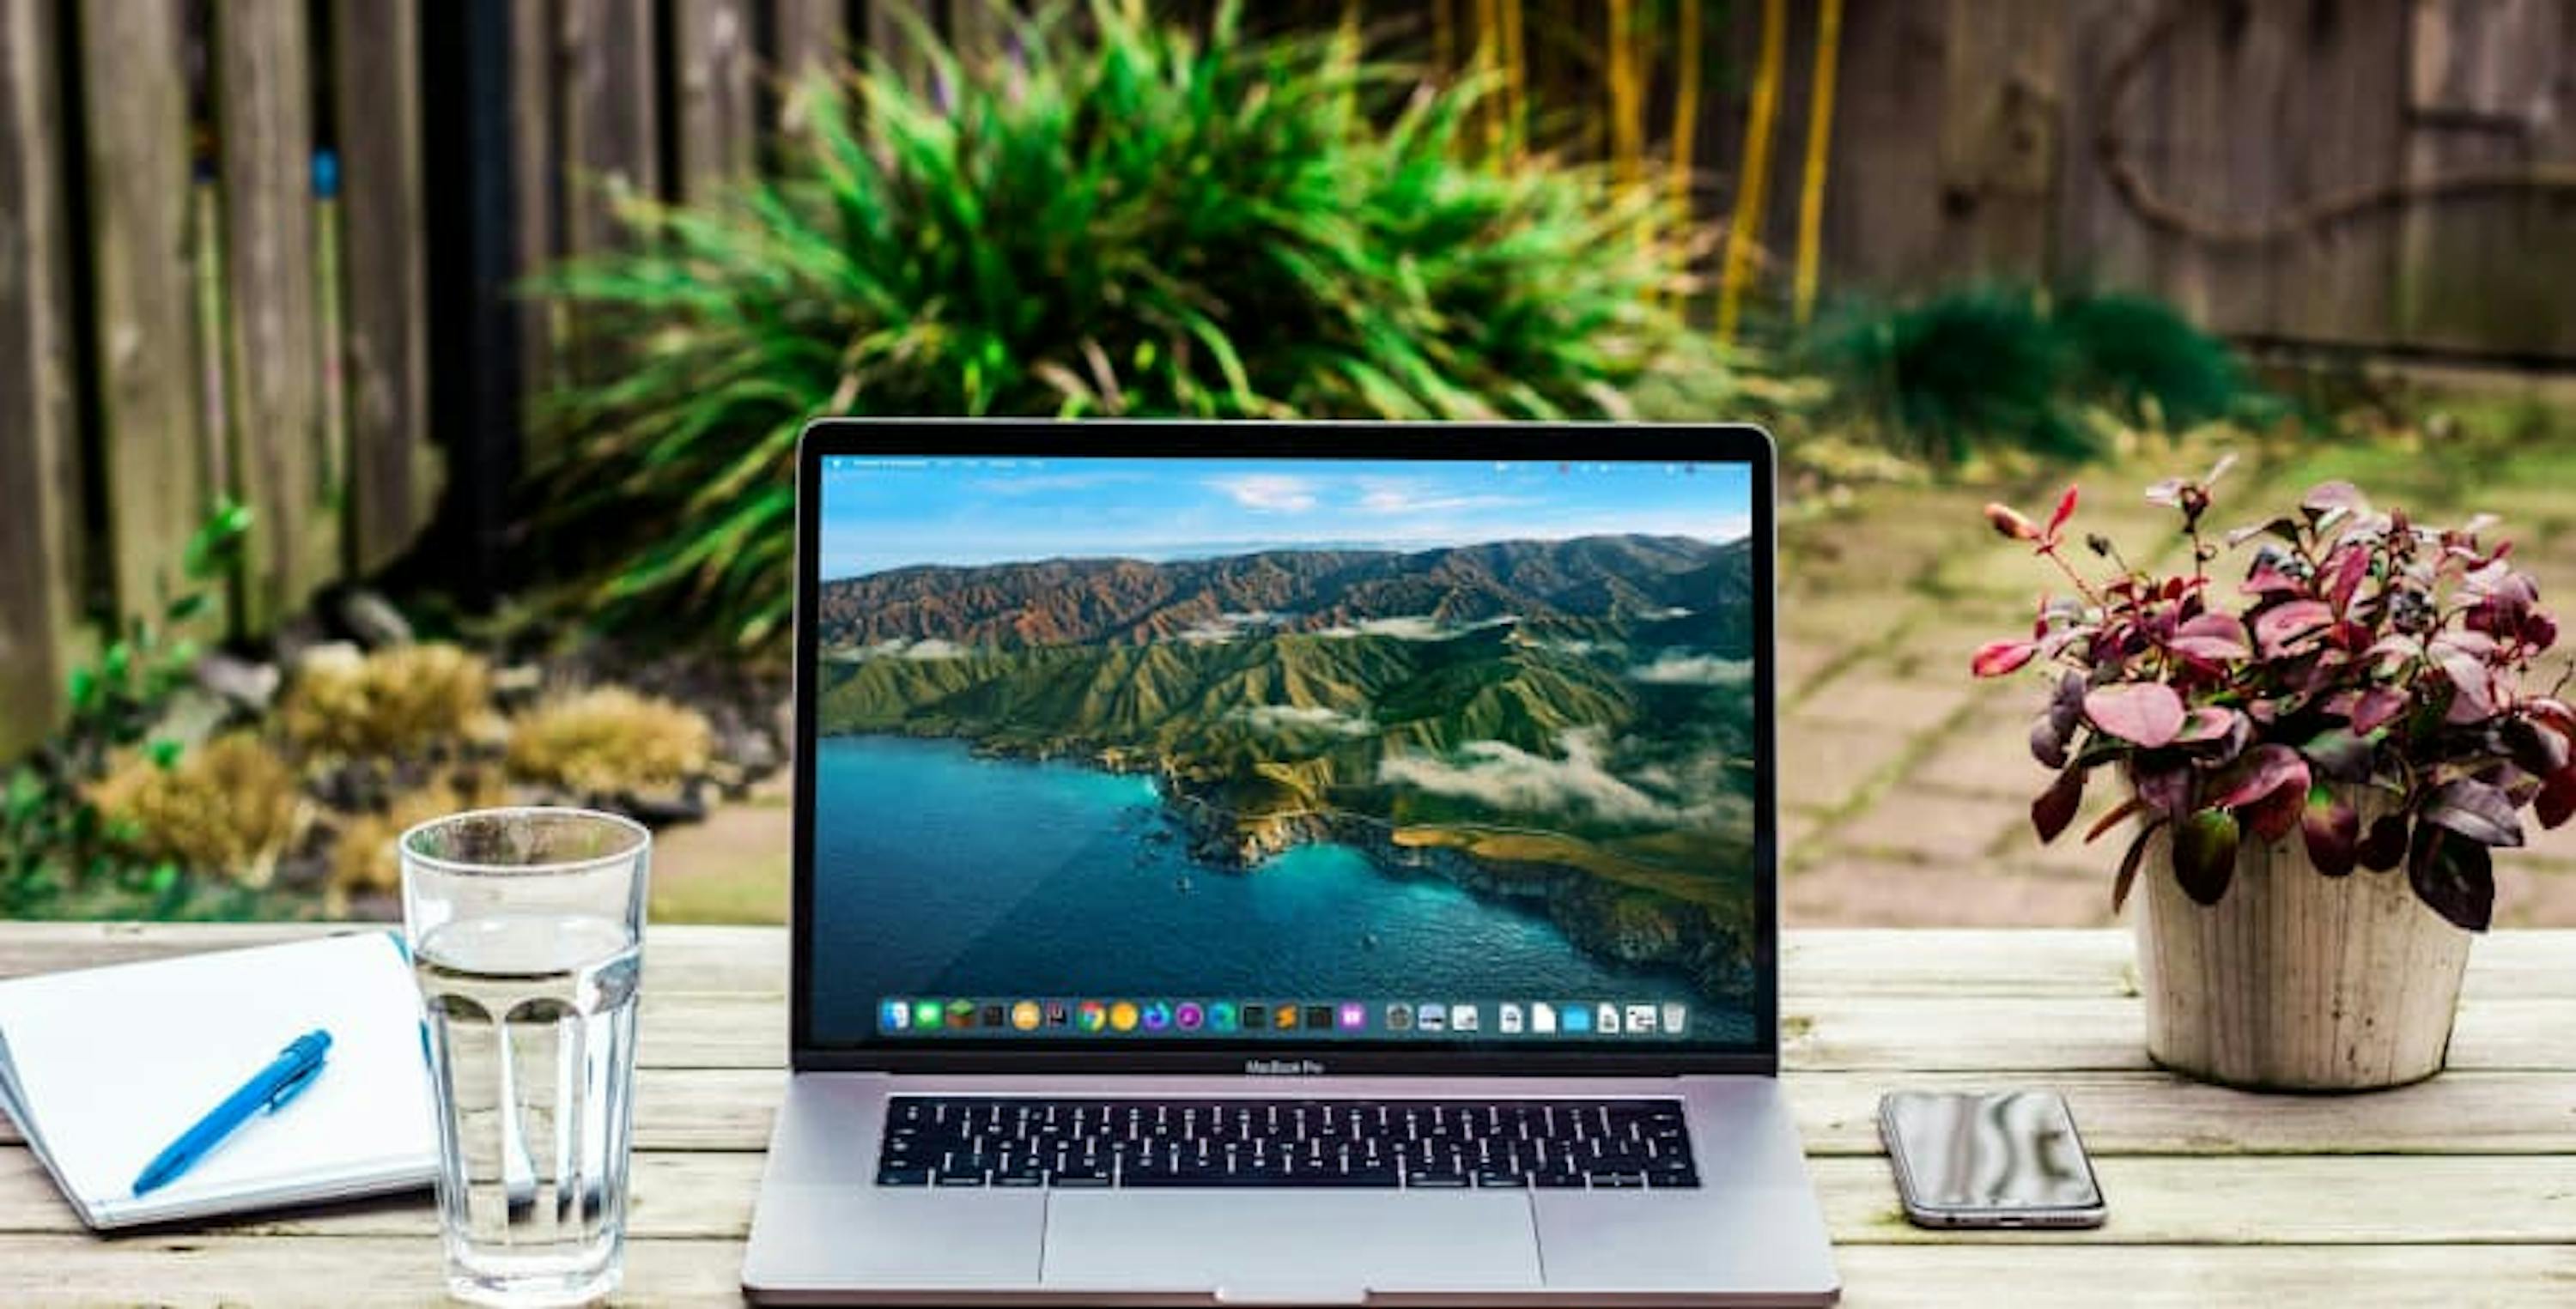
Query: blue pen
pixel 269 1089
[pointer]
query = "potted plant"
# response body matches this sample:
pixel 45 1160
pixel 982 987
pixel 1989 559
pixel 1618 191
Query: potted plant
pixel 2319 748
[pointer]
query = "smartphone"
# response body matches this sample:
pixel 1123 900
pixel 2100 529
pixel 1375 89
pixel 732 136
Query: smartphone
pixel 1989 1159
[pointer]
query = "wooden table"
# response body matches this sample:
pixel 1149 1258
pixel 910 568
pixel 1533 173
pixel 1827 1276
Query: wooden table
pixel 2460 1191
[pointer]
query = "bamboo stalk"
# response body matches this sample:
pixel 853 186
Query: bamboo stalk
pixel 1515 76
pixel 1626 147
pixel 1820 138
pixel 1490 107
pixel 1686 109
pixel 1444 38
pixel 1756 175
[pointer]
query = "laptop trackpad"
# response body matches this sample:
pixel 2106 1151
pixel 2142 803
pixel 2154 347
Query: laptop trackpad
pixel 1291 1247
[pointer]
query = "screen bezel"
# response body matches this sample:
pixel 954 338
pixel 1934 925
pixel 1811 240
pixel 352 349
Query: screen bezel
pixel 1389 442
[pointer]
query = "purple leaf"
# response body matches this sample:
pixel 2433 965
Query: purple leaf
pixel 2056 806
pixel 2129 864
pixel 2048 742
pixel 2166 790
pixel 2326 497
pixel 2204 854
pixel 2065 510
pixel 2146 714
pixel 2378 707
pixel 2351 565
pixel 2278 627
pixel 1996 658
pixel 2474 700
pixel 2536 749
pixel 2385 846
pixel 2118 815
pixel 2207 724
pixel 2453 876
pixel 2480 811
pixel 2557 800
pixel 2339 754
pixel 2332 830
pixel 2264 770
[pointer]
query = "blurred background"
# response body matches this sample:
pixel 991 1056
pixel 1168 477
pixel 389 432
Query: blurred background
pixel 395 397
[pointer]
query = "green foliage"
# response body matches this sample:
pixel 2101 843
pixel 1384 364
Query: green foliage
pixel 1118 219
pixel 52 838
pixel 1994 366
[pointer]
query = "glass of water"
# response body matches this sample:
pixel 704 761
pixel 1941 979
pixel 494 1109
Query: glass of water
pixel 526 929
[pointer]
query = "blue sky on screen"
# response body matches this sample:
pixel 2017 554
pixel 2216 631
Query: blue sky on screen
pixel 893 513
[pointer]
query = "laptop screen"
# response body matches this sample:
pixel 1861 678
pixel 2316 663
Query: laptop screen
pixel 1261 753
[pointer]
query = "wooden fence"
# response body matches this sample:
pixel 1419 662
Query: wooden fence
pixel 267 247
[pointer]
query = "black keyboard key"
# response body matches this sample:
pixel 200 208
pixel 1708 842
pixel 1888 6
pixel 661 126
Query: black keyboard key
pixel 899 1176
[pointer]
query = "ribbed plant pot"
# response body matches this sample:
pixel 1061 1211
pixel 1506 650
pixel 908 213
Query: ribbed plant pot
pixel 2295 981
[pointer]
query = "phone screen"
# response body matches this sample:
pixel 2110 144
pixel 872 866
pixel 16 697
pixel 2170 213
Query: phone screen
pixel 2002 1150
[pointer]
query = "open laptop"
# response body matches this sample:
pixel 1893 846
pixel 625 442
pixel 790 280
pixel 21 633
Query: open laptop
pixel 1285 864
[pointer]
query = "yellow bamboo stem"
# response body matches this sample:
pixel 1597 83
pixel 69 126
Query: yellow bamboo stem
pixel 1515 76
pixel 1489 33
pixel 1626 148
pixel 1685 110
pixel 1747 224
pixel 1820 140
pixel 1444 38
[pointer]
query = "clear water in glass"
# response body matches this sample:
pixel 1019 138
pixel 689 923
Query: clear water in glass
pixel 529 977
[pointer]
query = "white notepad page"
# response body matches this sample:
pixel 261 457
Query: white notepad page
pixel 104 1068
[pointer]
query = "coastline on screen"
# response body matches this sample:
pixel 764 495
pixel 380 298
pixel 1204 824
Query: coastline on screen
pixel 1420 750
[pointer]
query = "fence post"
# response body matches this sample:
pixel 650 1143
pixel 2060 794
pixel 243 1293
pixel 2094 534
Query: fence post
pixel 711 61
pixel 393 478
pixel 284 469
pixel 40 495
pixel 154 452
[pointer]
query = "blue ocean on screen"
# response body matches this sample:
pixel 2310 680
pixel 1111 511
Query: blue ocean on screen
pixel 943 873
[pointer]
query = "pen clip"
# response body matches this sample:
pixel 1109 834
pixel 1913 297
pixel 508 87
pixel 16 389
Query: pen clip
pixel 294 1086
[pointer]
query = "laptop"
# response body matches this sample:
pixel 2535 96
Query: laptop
pixel 1277 863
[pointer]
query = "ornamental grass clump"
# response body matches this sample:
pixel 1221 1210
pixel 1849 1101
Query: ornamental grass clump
pixel 610 741
pixel 396 702
pixel 226 809
pixel 1114 217
pixel 2358 680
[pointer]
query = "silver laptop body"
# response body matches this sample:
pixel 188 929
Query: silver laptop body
pixel 1112 733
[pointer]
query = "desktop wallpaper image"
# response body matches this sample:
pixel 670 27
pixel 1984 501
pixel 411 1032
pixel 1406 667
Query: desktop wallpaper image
pixel 1321 732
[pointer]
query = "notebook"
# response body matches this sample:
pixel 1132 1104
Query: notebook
pixel 103 1068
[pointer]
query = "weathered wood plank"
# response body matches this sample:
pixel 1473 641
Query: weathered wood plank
pixel 731 1109
pixel 537 186
pixel 41 536
pixel 1998 134
pixel 189 1269
pixel 77 1270
pixel 2490 87
pixel 2202 1202
pixel 154 451
pixel 894 31
pixel 744 960
pixel 283 470
pixel 806 36
pixel 1902 963
pixel 393 465
pixel 717 124
pixel 611 122
pixel 1977 1275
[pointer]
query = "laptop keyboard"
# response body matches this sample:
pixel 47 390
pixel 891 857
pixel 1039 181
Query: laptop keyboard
pixel 984 1141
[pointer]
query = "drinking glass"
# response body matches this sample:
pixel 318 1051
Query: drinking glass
pixel 526 929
